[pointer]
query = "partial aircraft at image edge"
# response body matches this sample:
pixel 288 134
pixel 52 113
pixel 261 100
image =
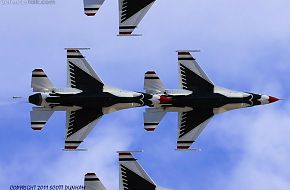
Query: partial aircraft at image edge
pixel 132 176
pixel 131 12
pixel 197 100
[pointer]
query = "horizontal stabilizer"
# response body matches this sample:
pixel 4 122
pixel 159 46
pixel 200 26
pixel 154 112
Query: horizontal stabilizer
pixel 152 117
pixel 92 182
pixel 40 82
pixel 91 7
pixel 191 76
pixel 132 175
pixel 39 117
pixel 131 12
pixel 152 83
pixel 80 74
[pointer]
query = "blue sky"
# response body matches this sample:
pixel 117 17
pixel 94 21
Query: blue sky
pixel 244 46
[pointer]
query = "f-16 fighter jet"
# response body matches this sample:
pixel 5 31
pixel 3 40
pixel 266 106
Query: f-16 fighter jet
pixel 85 100
pixel 131 12
pixel 131 174
pixel 196 102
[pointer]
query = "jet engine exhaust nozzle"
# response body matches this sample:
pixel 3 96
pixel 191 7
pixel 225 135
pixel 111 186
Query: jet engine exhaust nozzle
pixel 35 99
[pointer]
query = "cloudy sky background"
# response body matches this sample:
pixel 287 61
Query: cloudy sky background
pixel 244 46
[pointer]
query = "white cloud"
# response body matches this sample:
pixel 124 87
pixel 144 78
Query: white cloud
pixel 46 166
pixel 262 139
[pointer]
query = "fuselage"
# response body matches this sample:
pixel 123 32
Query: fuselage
pixel 220 100
pixel 111 98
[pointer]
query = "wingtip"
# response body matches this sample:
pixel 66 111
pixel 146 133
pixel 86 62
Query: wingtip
pixel 183 147
pixel 90 14
pixel 150 129
pixel 90 174
pixel 38 70
pixel 36 128
pixel 150 72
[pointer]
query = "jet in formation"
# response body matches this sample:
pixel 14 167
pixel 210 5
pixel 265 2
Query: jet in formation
pixel 85 99
pixel 131 12
pixel 131 176
pixel 197 100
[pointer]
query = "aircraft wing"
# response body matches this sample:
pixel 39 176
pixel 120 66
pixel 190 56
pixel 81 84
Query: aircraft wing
pixel 132 175
pixel 191 76
pixel 131 12
pixel 79 124
pixel 190 125
pixel 80 74
pixel 92 182
pixel 92 6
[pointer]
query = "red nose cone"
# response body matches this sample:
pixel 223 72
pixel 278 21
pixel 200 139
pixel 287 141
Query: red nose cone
pixel 164 99
pixel 273 99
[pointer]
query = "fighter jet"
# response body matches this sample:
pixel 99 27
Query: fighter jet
pixel 131 174
pixel 85 99
pixel 196 102
pixel 131 12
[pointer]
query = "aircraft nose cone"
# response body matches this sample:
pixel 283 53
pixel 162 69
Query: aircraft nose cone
pixel 273 99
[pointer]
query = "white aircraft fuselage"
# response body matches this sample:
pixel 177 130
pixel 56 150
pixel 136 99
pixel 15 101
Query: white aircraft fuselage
pixel 220 100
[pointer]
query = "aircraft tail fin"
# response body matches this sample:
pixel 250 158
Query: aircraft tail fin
pixel 132 175
pixel 39 117
pixel 40 82
pixel 92 182
pixel 152 83
pixel 152 117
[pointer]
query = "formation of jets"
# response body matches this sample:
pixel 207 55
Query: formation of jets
pixel 87 98
pixel 131 12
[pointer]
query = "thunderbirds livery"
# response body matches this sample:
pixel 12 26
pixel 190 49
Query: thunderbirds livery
pixel 131 12
pixel 131 174
pixel 196 102
pixel 85 99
